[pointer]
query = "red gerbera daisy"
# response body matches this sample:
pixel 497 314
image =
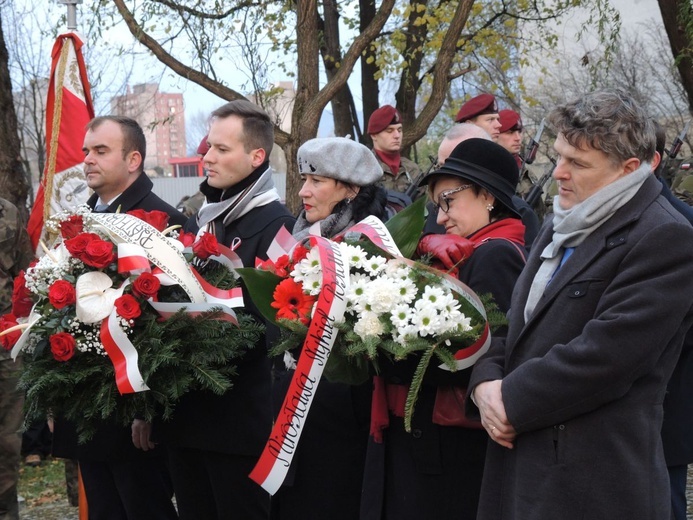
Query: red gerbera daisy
pixel 291 302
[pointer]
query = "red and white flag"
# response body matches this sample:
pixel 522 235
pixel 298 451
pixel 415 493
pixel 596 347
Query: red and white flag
pixel 68 110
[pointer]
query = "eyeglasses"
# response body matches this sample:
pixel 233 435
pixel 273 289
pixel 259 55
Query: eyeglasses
pixel 444 198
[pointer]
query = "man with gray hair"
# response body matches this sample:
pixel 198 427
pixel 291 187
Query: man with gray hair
pixel 573 395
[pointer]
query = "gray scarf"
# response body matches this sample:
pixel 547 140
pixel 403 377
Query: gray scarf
pixel 572 226
pixel 260 193
pixel 329 226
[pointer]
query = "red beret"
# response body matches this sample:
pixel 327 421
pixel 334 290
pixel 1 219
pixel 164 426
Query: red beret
pixel 510 121
pixel 382 118
pixel 481 104
pixel 203 147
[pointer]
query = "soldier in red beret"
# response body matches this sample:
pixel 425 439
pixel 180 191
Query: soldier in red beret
pixel 385 129
pixel 482 111
pixel 510 136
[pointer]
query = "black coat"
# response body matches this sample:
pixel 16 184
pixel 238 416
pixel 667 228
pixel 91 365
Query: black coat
pixel 584 378
pixel 435 471
pixel 238 422
pixel 677 427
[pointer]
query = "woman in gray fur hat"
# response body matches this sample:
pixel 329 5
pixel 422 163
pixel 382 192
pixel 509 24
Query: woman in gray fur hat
pixel 340 188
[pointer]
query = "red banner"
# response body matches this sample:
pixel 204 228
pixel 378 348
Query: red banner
pixel 68 110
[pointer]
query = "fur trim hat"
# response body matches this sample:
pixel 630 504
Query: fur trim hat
pixel 481 104
pixel 510 121
pixel 486 164
pixel 339 158
pixel 385 116
pixel 203 147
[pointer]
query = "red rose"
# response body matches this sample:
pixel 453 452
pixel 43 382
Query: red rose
pixel 77 245
pixel 62 346
pixel 98 253
pixel 61 294
pixel 21 297
pixel 146 285
pixel 187 239
pixel 128 307
pixel 8 340
pixel 71 227
pixel 206 246
pixel 157 219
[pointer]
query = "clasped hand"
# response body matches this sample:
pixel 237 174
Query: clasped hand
pixel 489 399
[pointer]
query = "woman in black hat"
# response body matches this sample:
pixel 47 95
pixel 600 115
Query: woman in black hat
pixel 435 471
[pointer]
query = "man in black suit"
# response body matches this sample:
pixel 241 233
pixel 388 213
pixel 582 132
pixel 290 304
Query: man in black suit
pixel 214 441
pixel 121 481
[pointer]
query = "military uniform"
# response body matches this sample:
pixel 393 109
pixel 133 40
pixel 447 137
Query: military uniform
pixel 408 172
pixel 15 255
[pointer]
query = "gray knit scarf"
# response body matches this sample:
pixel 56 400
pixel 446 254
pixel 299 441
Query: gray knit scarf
pixel 260 193
pixel 329 226
pixel 572 226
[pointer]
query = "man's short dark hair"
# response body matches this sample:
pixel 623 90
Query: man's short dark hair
pixel 133 135
pixel 258 130
pixel 607 120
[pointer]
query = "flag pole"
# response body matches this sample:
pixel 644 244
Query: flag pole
pixel 72 26
pixel 71 13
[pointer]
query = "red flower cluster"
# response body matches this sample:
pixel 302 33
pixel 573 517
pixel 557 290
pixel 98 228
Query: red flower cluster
pixel 8 340
pixel 71 227
pixel 291 302
pixel 157 219
pixel 91 249
pixel 61 294
pixel 21 297
pixel 62 346
pixel 206 246
pixel 288 297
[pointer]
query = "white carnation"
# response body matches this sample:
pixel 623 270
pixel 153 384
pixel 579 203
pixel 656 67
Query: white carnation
pixel 368 325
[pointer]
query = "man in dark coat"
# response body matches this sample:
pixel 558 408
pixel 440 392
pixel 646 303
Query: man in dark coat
pixel 573 396
pixel 215 441
pixel 125 476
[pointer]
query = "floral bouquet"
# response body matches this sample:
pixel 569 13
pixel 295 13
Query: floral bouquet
pixel 348 303
pixel 118 320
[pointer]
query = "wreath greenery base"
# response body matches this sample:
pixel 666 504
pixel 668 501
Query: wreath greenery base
pixel 176 356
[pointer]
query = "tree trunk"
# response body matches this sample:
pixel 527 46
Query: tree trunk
pixel 370 91
pixel 681 42
pixel 13 183
pixel 332 57
pixel 409 81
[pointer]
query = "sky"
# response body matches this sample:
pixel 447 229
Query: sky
pixel 633 12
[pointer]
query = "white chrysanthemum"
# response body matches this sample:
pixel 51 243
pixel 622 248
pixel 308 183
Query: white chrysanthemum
pixel 368 325
pixel 396 268
pixel 400 316
pixel 310 265
pixel 406 289
pixel 375 264
pixel 356 277
pixel 405 333
pixel 436 296
pixel 354 254
pixel 356 294
pixel 312 283
pixel 382 294
pixel 426 320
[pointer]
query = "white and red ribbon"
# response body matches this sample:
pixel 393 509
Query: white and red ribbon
pixel 123 355
pixel 273 465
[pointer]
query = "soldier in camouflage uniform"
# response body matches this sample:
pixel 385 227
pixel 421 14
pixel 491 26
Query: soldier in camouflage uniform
pixel 385 129
pixel 15 255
